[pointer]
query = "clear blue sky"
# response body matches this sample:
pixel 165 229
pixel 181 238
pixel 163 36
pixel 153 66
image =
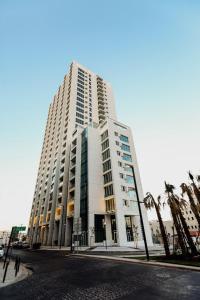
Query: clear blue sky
pixel 148 50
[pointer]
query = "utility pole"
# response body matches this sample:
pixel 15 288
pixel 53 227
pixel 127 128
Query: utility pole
pixel 140 213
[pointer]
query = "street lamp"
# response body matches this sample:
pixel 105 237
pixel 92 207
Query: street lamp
pixel 140 213
pixel 61 220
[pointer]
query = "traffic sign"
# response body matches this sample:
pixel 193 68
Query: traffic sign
pixel 19 228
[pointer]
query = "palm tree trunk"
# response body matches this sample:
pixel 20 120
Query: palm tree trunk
pixel 196 191
pixel 193 206
pixel 178 230
pixel 186 230
pixel 162 230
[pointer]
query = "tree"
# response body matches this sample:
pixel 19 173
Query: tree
pixel 176 204
pixel 195 187
pixel 149 203
pixel 176 219
pixel 188 190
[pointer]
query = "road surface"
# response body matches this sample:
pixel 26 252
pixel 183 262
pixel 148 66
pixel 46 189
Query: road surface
pixel 57 275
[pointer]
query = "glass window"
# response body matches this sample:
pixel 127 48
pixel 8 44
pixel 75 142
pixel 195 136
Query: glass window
pixel 127 157
pixel 123 138
pixel 80 115
pixel 79 121
pixel 107 166
pixel 125 147
pixel 106 154
pixel 107 177
pixel 129 179
pixel 79 104
pixel 119 164
pixel 108 190
pixel 123 188
pixel 127 168
pixel 132 193
pixel 105 145
pixel 104 135
pixel 80 110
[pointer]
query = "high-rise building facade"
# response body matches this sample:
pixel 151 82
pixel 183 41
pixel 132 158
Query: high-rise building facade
pixel 85 191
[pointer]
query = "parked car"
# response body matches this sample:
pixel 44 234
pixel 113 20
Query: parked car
pixel 1 252
pixel 25 245
pixel 17 245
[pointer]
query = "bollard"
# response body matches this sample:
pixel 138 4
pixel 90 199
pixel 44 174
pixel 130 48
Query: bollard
pixel 5 272
pixel 15 267
pixel 18 265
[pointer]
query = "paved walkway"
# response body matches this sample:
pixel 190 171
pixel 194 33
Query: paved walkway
pixel 104 249
pixel 10 276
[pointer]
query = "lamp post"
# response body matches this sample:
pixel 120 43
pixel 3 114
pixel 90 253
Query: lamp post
pixel 61 230
pixel 140 213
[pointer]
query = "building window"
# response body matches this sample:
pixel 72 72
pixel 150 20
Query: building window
pixel 125 202
pixel 125 147
pixel 119 163
pixel 129 179
pixel 107 166
pixel 110 205
pixel 123 188
pixel 108 190
pixel 117 143
pixel 105 145
pixel 118 153
pixel 123 138
pixel 80 110
pixel 104 135
pixel 79 121
pixel 121 175
pixel 107 177
pixel 106 154
pixel 127 157
pixel 128 168
pixel 80 96
pixel 79 104
pixel 80 115
pixel 132 193
pixel 116 133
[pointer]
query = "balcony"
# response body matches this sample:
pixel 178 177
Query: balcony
pixel 58 213
pixel 110 205
pixel 70 208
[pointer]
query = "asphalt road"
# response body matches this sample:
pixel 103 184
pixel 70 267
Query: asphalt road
pixel 57 276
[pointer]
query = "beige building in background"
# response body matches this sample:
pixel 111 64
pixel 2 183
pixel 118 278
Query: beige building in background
pixel 84 189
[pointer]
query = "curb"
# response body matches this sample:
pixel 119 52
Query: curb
pixel 136 261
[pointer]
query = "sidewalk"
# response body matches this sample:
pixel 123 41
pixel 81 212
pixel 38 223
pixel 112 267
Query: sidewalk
pixel 103 249
pixel 150 263
pixel 10 276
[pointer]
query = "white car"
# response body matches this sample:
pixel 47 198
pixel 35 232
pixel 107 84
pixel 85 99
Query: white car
pixel 1 252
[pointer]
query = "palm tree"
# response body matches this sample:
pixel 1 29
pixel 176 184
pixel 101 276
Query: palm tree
pixel 176 205
pixel 176 219
pixel 149 203
pixel 188 190
pixel 195 187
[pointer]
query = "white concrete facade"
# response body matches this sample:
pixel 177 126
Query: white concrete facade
pixel 111 196
pixel 63 192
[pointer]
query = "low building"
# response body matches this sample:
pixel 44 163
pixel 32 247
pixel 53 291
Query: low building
pixel 4 237
pixel 156 234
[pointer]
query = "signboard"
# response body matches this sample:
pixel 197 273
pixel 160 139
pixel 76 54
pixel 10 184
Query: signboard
pixel 17 229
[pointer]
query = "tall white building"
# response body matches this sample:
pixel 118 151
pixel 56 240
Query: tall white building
pixel 85 188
